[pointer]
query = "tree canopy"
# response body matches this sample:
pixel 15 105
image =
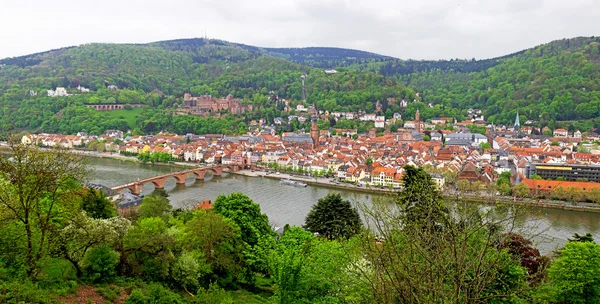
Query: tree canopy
pixel 333 218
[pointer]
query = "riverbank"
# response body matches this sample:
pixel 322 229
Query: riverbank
pixel 475 199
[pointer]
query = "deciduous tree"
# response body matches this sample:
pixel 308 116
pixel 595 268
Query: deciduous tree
pixel 37 189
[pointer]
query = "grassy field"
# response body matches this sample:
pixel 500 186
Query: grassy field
pixel 128 115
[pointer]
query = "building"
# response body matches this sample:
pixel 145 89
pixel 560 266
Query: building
pixel 560 133
pixel 60 91
pixel 439 180
pixel 380 122
pixel 208 104
pixel 465 139
pixel 381 176
pixel 568 172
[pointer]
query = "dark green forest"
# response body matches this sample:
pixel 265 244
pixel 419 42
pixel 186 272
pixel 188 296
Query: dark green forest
pixel 555 84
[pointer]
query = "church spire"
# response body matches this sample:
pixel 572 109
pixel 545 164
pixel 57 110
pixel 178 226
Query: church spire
pixel 517 125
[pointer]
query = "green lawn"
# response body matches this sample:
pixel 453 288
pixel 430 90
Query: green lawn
pixel 128 115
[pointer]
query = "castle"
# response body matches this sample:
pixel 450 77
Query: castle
pixel 207 104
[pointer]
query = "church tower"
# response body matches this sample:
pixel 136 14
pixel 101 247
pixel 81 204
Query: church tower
pixel 314 128
pixel 418 121
pixel 517 125
pixel 314 131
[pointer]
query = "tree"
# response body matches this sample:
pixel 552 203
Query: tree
pixel 485 145
pixel 146 250
pixel 520 190
pixel 218 240
pixel 421 201
pixel 37 189
pixel 575 275
pixel 530 257
pixel 97 206
pixel 100 264
pixel 369 161
pixel 403 262
pixel 254 226
pixel 582 238
pixel 311 270
pixel 426 137
pixel 536 177
pixel 84 233
pixel 463 185
pixel 333 217
pixel 155 206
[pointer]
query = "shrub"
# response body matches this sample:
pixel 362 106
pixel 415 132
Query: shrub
pixel 23 292
pixel 100 264
pixel 110 292
pixel 213 295
pixel 154 293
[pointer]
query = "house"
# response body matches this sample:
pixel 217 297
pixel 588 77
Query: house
pixel 435 136
pixel 114 133
pixel 380 122
pixel 439 180
pixel 560 133
pixel 60 91
pixel 368 117
pixel 441 120
pixel 341 172
pixel 382 176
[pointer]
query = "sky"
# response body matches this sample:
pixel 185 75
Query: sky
pixel 415 29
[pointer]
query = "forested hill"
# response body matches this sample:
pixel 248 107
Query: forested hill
pixel 558 81
pixel 548 84
pixel 326 57
pixel 158 74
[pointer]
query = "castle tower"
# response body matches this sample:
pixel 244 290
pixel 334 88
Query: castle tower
pixel 418 121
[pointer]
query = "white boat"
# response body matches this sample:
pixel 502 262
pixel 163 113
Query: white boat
pixel 292 183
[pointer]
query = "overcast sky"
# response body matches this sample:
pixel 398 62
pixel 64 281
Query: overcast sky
pixel 416 29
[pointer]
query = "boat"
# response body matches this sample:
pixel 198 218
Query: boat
pixel 292 183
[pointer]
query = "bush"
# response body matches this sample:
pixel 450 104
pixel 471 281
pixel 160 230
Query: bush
pixel 100 263
pixel 213 295
pixel 23 292
pixel 110 292
pixel 154 293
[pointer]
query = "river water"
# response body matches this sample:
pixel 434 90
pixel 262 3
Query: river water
pixel 289 205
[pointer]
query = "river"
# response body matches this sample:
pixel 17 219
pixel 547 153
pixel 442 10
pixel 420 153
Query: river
pixel 289 205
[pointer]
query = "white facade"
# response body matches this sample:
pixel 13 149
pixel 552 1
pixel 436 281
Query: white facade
pixel 368 117
pixel 60 91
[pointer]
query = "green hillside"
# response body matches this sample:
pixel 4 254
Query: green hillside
pixel 548 84
pixel 554 82
pixel 158 74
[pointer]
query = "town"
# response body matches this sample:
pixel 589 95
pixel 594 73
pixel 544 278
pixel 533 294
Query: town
pixel 549 165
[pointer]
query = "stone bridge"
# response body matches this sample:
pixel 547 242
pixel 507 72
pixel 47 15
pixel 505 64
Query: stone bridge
pixel 180 177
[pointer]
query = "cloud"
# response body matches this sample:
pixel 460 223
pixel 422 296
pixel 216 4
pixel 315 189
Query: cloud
pixel 425 29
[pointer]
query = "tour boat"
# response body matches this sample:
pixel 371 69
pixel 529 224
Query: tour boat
pixel 292 183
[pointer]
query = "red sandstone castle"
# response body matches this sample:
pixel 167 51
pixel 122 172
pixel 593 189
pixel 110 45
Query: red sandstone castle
pixel 209 104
